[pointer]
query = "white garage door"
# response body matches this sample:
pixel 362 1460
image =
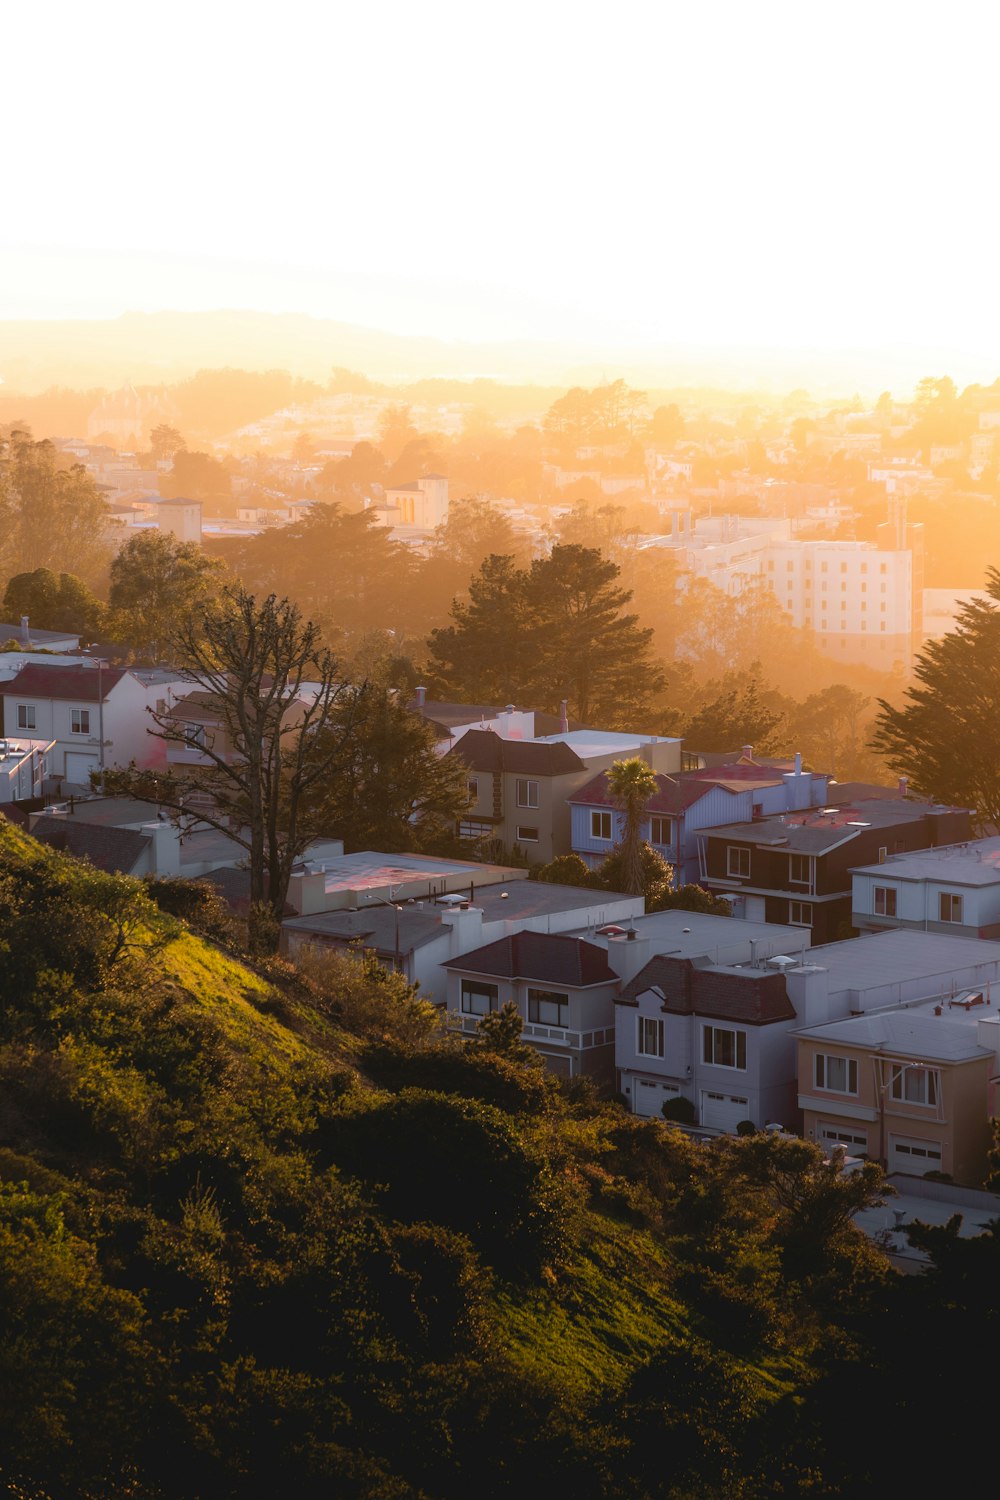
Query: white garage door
pixel 723 1111
pixel 913 1156
pixel 755 909
pixel 854 1137
pixel 79 767
pixel 648 1096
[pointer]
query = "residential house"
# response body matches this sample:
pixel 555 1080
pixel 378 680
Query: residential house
pixel 520 789
pixel 689 802
pixel 166 849
pixel 25 634
pixel 953 889
pixel 718 1035
pixel 914 1089
pixel 415 914
pixel 796 867
pixel 758 1002
pixel 563 988
pixel 95 716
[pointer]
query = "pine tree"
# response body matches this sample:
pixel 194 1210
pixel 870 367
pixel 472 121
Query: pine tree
pixel 944 737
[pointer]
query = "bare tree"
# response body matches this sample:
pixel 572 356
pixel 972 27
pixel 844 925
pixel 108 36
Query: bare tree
pixel 260 673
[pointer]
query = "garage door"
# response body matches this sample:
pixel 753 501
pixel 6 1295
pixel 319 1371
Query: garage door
pixel 723 1111
pixel 755 909
pixel 648 1096
pixel 79 767
pixel 829 1134
pixel 907 1154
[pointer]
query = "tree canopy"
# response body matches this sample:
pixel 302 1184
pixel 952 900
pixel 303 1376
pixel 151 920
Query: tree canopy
pixel 48 513
pixel 53 602
pixel 943 737
pixel 556 630
pixel 158 587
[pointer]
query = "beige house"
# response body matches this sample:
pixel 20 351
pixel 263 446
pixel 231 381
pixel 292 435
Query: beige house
pixel 911 1088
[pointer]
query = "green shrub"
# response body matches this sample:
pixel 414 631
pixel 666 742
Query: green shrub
pixel 679 1109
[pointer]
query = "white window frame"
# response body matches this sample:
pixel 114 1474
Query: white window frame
pixel 26 716
pixel 526 835
pixel 742 858
pixel 718 1039
pixel 800 914
pixel 954 903
pixel 658 823
pixel 598 822
pixel 907 1083
pixel 79 721
pixel 822 1068
pixel 473 828
pixel 526 792
pixel 649 1036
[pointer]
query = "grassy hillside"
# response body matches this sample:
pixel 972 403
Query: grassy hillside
pixel 263 1232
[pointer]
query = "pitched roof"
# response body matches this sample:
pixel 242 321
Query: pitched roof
pixel 755 997
pixel 551 959
pixel 114 850
pixel 672 795
pixel 482 750
pixel 77 684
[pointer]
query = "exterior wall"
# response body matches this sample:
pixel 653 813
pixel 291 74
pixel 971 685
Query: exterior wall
pixel 586 1046
pixel 918 904
pixel 856 598
pixel 958 1124
pixel 768 1081
pixel 124 724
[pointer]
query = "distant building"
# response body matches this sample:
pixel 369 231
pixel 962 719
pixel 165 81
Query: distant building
pixel 128 416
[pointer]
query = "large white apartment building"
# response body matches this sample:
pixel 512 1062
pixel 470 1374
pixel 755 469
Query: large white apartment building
pixel 862 600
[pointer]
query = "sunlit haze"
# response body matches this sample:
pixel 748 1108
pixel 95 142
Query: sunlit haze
pixel 722 175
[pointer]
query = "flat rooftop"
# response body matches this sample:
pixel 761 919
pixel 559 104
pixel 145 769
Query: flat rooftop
pixel 901 954
pixel 724 940
pixel 974 863
pixel 591 742
pixel 370 870
pixel 914 1032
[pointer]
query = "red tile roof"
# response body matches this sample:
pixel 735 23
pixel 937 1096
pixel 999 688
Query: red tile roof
pixel 76 684
pixel 482 750
pixel 550 959
pixel 672 796
pixel 755 997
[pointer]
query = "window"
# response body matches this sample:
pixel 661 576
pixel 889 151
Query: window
pixel 822 587
pixel 885 900
pixel 822 567
pixel 882 627
pixel 526 835
pixel 738 862
pixel 770 565
pixel 661 831
pixel 838 1075
pixel 800 913
pixel 843 588
pixel 600 825
pixel 473 786
pixel 864 569
pixel 883 568
pixel 798 869
pixel 650 1042
pixel 26 716
pixel 789 566
pixel 724 1049
pixel 864 588
pixel 478 999
pixel 471 828
pixel 79 720
pixel 548 1008
pixel 950 907
pixel 843 567
pixel 912 1083
pixel 527 793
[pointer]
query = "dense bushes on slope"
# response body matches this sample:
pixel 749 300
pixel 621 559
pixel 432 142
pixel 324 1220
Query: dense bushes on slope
pixel 261 1233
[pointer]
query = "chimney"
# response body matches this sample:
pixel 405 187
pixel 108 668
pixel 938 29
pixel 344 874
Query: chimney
pixel 421 696
pixel 904 785
pixel 748 752
pixel 798 762
pixel 25 632
pixel 564 716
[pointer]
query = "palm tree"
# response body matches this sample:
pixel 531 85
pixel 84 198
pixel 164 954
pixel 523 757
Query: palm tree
pixel 632 783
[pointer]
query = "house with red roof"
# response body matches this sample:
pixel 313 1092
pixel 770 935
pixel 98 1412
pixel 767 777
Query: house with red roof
pixel 94 715
pixel 564 989
pixel 689 802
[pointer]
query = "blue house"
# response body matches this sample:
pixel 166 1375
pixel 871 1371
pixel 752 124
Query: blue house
pixel 690 801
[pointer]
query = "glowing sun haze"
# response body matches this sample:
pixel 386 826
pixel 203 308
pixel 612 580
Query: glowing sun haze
pixel 798 175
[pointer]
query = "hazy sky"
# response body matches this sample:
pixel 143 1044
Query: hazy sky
pixel 802 175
